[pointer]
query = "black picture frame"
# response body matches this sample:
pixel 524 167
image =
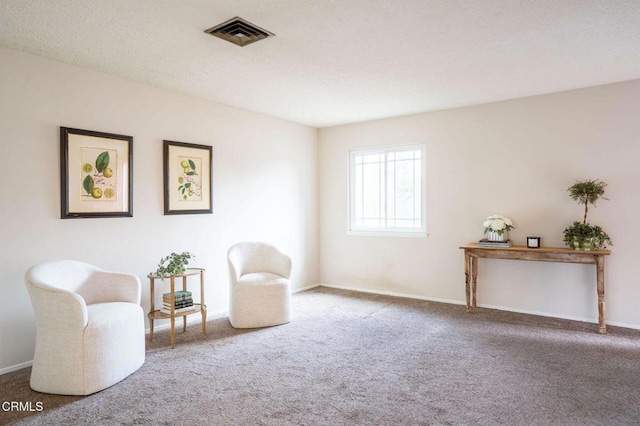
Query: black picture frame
pixel 96 174
pixel 187 178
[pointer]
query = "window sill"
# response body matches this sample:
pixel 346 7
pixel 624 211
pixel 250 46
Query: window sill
pixel 388 234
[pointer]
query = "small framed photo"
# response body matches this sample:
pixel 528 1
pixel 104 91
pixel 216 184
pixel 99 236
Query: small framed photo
pixel 533 242
pixel 96 174
pixel 187 178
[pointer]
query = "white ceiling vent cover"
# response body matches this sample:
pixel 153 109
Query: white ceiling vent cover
pixel 240 32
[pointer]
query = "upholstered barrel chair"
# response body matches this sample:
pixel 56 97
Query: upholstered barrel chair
pixel 90 327
pixel 260 293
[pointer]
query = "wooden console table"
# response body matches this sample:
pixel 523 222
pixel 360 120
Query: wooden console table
pixel 544 254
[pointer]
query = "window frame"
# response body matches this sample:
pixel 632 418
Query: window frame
pixel 352 227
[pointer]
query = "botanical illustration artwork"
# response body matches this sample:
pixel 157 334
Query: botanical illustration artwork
pixel 96 174
pixel 190 180
pixel 187 178
pixel 99 181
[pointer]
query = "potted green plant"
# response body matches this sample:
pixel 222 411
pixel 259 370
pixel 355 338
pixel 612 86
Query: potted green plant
pixel 174 264
pixel 582 235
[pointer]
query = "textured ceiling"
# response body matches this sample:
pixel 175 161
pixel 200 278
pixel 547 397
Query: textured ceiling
pixel 340 61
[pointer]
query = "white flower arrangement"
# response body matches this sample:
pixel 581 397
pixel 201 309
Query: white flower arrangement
pixel 498 224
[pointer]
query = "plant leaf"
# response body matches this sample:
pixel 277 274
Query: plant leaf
pixel 88 184
pixel 192 164
pixel 102 161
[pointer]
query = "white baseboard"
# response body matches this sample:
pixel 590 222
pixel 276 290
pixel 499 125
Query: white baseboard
pixel 622 324
pixel 481 305
pixel 568 317
pixel 309 287
pixel 15 367
pixel 538 313
pixel 394 294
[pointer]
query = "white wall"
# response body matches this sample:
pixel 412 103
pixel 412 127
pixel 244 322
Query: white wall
pixel 264 185
pixel 515 158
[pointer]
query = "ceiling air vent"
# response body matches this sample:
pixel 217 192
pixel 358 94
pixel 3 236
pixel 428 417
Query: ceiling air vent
pixel 238 31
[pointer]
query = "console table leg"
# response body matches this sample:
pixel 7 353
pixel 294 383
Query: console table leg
pixel 601 311
pixel 474 279
pixel 467 279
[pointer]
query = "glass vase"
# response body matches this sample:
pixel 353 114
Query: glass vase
pixel 494 236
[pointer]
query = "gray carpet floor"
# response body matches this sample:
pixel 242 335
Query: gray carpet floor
pixel 358 359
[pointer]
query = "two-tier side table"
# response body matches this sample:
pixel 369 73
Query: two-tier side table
pixel 198 307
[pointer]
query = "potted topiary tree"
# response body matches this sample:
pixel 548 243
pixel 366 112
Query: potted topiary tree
pixel 584 236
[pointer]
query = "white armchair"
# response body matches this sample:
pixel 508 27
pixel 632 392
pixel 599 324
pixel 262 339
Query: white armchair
pixel 90 327
pixel 260 293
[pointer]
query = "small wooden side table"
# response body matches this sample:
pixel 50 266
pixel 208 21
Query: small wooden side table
pixel 198 307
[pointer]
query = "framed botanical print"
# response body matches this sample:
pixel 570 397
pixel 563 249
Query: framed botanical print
pixel 96 174
pixel 187 178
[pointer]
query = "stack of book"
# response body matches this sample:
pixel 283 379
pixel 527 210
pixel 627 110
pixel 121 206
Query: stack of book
pixel 494 244
pixel 183 302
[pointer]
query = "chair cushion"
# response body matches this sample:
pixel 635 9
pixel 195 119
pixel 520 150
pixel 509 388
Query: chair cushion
pixel 262 278
pixel 106 314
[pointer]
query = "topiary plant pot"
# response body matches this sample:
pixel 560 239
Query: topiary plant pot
pixel 584 245
pixel 584 236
